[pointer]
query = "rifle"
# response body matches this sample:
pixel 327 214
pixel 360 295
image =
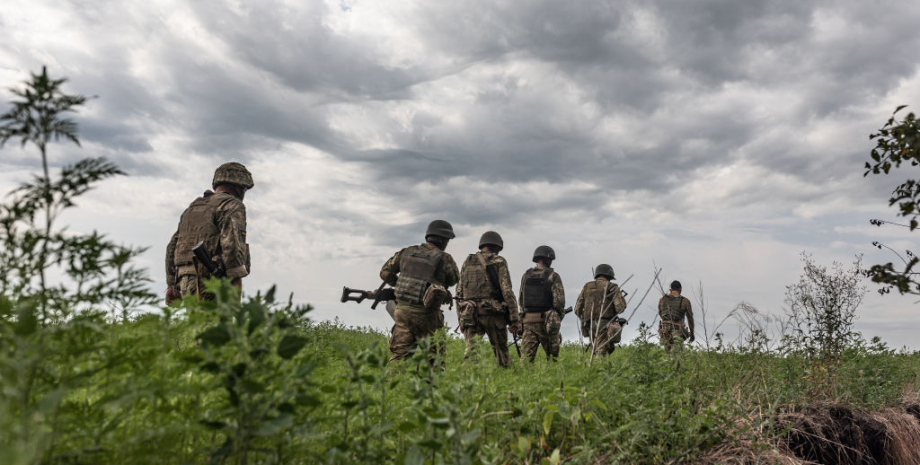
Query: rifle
pixel 567 310
pixel 201 253
pixel 380 295
pixel 514 340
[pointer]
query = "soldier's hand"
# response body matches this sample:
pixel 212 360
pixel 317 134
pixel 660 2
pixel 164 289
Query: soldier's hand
pixel 515 328
pixel 692 338
pixel 172 295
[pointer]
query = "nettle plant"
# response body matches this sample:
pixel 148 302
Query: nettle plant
pixel 249 355
pixel 58 286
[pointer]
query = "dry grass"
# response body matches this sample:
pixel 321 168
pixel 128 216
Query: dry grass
pixel 826 433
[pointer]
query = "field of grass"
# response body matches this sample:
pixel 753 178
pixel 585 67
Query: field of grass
pixel 265 385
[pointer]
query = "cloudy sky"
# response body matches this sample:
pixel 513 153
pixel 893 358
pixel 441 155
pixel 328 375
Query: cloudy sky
pixel 717 140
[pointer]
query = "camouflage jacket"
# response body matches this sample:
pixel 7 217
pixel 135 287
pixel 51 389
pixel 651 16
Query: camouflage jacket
pixel 597 294
pixel 446 274
pixel 670 309
pixel 218 220
pixel 556 287
pixel 475 284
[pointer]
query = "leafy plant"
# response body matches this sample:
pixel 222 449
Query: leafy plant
pixel 897 143
pixel 249 354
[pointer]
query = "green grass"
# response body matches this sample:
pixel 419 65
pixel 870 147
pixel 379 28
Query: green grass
pixel 338 401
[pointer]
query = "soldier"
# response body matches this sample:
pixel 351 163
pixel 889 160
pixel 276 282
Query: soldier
pixel 672 307
pixel 421 275
pixel 542 298
pixel 217 218
pixel 597 307
pixel 487 304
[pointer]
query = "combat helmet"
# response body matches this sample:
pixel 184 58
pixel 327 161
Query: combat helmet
pixel 604 270
pixel 544 251
pixel 232 173
pixel 440 228
pixel 491 238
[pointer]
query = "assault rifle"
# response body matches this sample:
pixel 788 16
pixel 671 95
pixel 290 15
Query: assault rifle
pixel 380 295
pixel 201 253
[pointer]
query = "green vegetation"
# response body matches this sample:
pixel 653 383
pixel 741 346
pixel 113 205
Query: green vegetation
pixel 266 386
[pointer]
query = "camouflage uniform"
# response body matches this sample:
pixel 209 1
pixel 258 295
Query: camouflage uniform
pixel 672 310
pixel 537 308
pixel 412 320
pixel 598 305
pixel 219 220
pixel 481 313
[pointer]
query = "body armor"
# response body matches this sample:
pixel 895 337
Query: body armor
pixel 671 310
pixel 600 299
pixel 475 281
pixel 417 266
pixel 538 292
pixel 197 224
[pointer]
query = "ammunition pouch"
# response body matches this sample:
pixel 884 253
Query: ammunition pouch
pixel 466 313
pixel 435 296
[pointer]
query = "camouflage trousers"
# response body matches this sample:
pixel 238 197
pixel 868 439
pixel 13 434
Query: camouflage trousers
pixel 535 335
pixel 410 327
pixel 672 333
pixel 492 325
pixel 605 337
pixel 188 285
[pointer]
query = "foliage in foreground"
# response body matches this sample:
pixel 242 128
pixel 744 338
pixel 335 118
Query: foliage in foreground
pixel 263 385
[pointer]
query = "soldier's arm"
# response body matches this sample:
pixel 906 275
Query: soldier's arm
pixel 390 270
pixel 689 310
pixel 580 304
pixel 460 283
pixel 521 293
pixel 170 260
pixel 450 270
pixel 558 293
pixel 619 302
pixel 660 304
pixel 231 220
pixel 504 280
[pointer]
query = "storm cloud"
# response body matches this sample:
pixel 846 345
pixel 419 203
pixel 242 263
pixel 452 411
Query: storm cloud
pixel 715 138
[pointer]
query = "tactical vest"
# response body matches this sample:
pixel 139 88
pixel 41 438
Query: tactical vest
pixel 198 225
pixel 599 299
pixel 538 291
pixel 417 266
pixel 671 309
pixel 475 280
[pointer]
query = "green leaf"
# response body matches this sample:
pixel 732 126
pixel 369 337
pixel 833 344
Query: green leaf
pixel 290 345
pixel 275 425
pixel 414 456
pixel 27 321
pixel 308 401
pixel 211 367
pixel 406 426
pixel 213 424
pixel 6 306
pixel 430 443
pixel 256 317
pixel 548 421
pixel 216 336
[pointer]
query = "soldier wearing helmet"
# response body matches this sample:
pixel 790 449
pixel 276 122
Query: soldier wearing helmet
pixel 218 219
pixel 673 308
pixel 542 299
pixel 487 305
pixel 421 275
pixel 598 305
